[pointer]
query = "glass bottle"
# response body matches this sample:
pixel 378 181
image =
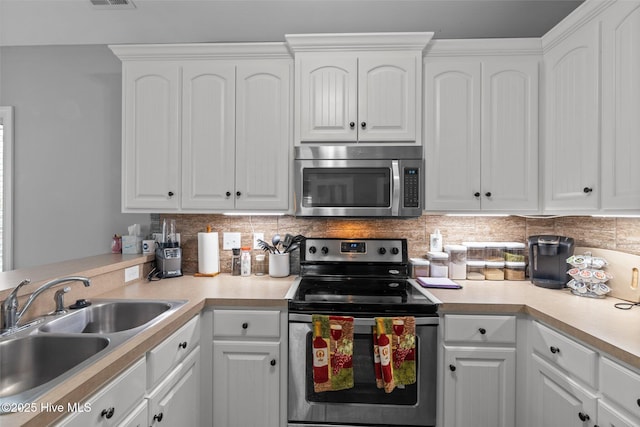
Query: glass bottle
pixel 245 261
pixel 260 267
pixel 235 262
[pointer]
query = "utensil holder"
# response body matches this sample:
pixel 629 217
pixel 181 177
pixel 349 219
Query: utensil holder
pixel 279 265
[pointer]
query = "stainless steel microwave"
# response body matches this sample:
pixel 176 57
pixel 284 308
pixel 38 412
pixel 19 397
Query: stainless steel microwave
pixel 359 181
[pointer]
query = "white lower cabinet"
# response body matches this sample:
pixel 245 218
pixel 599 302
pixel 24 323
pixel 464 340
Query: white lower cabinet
pixel 479 371
pixel 115 401
pixel 137 417
pixel 557 400
pixel 249 368
pixel 479 386
pixel 620 390
pixel 175 402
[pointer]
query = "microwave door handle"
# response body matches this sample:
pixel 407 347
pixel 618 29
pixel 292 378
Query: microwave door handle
pixel 395 188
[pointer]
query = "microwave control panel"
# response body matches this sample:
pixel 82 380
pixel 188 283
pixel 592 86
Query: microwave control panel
pixel 411 187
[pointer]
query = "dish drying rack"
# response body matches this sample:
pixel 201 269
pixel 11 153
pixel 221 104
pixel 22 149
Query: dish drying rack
pixel 587 277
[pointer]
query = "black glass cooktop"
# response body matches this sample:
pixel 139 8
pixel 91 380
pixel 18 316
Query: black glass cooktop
pixel 377 296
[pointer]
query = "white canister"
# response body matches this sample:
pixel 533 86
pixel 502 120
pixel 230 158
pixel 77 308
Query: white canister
pixel 279 265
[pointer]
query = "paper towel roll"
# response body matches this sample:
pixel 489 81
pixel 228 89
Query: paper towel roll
pixel 208 255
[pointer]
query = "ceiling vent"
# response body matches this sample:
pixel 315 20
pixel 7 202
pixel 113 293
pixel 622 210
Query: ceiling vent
pixel 113 4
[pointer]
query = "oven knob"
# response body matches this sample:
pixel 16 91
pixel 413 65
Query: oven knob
pixel 324 250
pixel 382 251
pixel 395 251
pixel 312 250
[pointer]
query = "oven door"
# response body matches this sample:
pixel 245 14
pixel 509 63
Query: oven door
pixel 364 404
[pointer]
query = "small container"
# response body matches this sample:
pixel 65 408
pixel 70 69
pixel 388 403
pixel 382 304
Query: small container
pixel 419 267
pixel 457 261
pixel 494 252
pixel 514 252
pixel 245 261
pixel 514 270
pixel 475 270
pixel 435 241
pixel 260 266
pixel 235 262
pixel 439 264
pixel 494 270
pixel 475 251
pixel 279 265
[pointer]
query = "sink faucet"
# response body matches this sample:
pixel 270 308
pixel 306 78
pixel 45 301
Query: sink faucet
pixel 10 313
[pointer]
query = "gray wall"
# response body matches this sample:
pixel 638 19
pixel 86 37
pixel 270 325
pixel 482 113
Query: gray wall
pixel 67 128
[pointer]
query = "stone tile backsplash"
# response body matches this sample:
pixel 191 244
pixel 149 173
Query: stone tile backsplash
pixel 622 234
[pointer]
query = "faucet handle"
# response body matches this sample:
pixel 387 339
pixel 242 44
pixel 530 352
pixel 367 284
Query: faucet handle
pixel 59 299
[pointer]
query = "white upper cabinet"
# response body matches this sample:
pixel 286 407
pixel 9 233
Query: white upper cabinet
pixel 207 127
pixel 388 97
pixel 621 107
pixel 452 141
pixel 481 126
pixel 151 140
pixel 263 135
pixel 572 143
pixel 358 87
pixel 328 99
pixel 208 134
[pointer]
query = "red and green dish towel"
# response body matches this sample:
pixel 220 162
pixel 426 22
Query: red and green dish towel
pixel 394 348
pixel 332 348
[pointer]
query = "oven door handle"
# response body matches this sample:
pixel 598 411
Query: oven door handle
pixel 364 321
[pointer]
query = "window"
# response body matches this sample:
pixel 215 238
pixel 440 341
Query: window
pixel 6 186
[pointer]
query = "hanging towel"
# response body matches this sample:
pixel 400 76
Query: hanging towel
pixel 332 348
pixel 395 344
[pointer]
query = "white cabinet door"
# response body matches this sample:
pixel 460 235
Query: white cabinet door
pixel 151 140
pixel 208 134
pixel 479 386
pixel 387 95
pixel 558 401
pixel 572 145
pixel 452 146
pixel 262 135
pixel 246 383
pixel 609 417
pixel 175 402
pixel 327 92
pixel 509 162
pixel 621 107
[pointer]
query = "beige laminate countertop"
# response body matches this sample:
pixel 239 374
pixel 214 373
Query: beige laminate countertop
pixel 594 321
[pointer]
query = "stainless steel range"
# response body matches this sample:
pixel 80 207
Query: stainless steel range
pixel 362 278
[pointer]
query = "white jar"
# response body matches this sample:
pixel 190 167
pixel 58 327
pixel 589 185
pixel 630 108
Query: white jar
pixel 439 264
pixel 457 261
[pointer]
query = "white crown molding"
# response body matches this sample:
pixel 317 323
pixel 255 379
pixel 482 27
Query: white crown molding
pixel 483 47
pixel 575 20
pixel 345 42
pixel 199 51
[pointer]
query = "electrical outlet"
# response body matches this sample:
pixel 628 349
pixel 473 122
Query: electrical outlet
pixel 256 237
pixel 230 241
pixel 131 273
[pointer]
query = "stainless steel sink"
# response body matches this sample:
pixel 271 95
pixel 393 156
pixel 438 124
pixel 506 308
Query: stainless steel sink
pixel 29 362
pixel 108 317
pixel 37 358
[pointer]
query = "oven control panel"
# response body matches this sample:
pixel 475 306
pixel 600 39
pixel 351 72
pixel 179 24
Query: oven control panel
pixel 354 250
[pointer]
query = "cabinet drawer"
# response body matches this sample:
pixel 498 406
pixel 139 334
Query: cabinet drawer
pixel 565 353
pixel 137 417
pixel 620 385
pixel 246 323
pixel 166 355
pixel 480 329
pixel 115 400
